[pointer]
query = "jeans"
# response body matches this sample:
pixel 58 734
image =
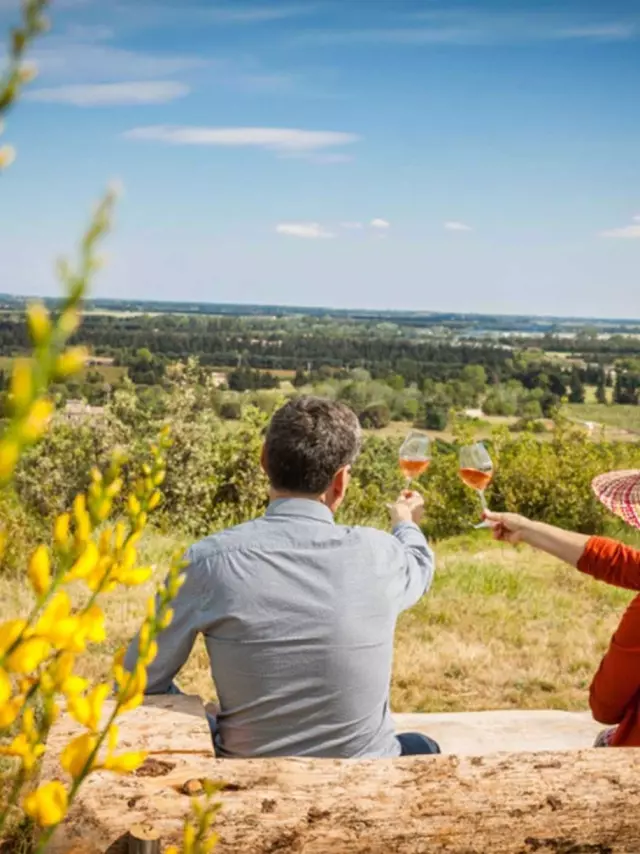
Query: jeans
pixel 416 744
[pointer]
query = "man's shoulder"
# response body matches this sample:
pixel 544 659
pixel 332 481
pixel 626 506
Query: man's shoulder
pixel 230 539
pixel 373 536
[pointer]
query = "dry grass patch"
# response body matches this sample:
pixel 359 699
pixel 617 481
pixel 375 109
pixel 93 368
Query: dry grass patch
pixel 503 628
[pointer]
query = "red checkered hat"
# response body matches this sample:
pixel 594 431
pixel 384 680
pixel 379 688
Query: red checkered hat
pixel 619 491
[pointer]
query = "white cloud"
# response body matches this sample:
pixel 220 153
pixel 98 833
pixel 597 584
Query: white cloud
pixel 628 232
pixel 285 141
pixel 111 94
pixel 309 230
pixel 381 224
pixel 85 54
pixel 625 232
pixel 454 225
pixel 447 26
pixel 600 32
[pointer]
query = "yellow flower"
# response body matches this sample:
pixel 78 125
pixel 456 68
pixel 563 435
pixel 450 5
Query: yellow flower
pixel 9 711
pixel 39 323
pixel 151 653
pixel 134 577
pixel 87 711
pixel 22 748
pixel 141 521
pixel 71 362
pixel 133 506
pixel 166 619
pixel 61 677
pixel 155 500
pixel 36 422
pixel 67 635
pixel 121 535
pixel 76 754
pixel 114 488
pixel 7 156
pixel 86 563
pixel 58 610
pixel 5 687
pixel 39 570
pixel 21 384
pixel 132 687
pixel 69 322
pixel 28 655
pixel 61 530
pixel 125 763
pixel 82 520
pixel 9 455
pixel 47 806
pixel 10 632
pixel 159 478
pixel 92 625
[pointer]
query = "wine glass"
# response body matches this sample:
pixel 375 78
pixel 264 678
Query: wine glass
pixel 476 471
pixel 415 456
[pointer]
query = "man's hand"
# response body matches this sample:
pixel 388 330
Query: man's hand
pixel 409 507
pixel 508 527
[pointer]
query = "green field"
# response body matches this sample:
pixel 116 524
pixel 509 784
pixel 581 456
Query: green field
pixel 111 373
pixel 616 415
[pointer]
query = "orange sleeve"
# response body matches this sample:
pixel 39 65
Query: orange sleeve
pixel 617 682
pixel 613 562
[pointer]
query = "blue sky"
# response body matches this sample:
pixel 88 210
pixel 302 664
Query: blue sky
pixel 415 154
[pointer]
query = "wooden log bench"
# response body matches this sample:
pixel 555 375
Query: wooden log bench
pixel 555 801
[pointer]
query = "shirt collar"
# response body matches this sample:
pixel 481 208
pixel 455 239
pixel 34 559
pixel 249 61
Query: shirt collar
pixel 305 508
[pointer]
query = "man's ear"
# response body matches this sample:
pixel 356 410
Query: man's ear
pixel 341 482
pixel 263 460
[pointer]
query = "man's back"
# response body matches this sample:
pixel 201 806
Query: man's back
pixel 298 616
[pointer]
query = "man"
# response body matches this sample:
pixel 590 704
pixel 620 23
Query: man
pixel 298 613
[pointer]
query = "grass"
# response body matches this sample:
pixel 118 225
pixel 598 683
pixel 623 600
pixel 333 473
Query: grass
pixel 502 628
pixel 616 416
pixel 110 373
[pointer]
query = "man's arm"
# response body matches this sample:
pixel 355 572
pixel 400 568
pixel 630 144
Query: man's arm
pixel 418 559
pixel 176 641
pixel 419 563
pixel 617 682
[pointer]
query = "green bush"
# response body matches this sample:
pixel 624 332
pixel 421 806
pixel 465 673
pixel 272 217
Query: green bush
pixel 375 416
pixel 231 410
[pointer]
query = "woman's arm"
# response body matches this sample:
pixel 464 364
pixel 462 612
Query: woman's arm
pixel 604 559
pixel 566 545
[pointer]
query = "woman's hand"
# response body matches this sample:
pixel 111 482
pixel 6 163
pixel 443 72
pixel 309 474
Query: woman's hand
pixel 508 527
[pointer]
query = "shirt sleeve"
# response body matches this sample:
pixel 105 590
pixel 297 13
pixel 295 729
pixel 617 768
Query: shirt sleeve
pixel 611 561
pixel 176 641
pixel 617 682
pixel 418 563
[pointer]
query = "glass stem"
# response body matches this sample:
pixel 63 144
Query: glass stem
pixel 483 500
